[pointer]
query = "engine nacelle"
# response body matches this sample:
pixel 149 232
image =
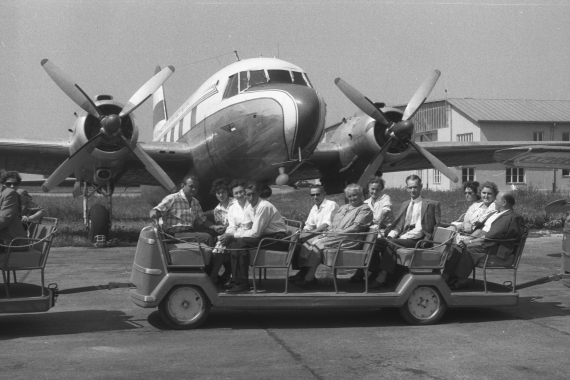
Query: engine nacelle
pixel 86 127
pixel 107 158
pixel 361 137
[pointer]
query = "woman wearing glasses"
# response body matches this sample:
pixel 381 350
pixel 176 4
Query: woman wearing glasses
pixel 29 210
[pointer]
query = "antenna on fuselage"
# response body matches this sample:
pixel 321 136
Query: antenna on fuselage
pixel 237 56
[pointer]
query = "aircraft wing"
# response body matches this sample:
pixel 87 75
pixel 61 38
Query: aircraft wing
pixel 33 156
pixel 325 160
pixel 37 156
pixel 541 156
pixel 455 154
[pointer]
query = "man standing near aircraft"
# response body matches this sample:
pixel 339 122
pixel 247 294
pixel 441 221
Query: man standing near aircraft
pixel 415 220
pixel 182 215
pixel 267 222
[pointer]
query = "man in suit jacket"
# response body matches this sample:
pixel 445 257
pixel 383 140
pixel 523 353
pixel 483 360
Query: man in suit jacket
pixel 505 224
pixel 10 218
pixel 415 220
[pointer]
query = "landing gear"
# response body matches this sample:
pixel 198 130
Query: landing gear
pixel 97 219
pixel 99 222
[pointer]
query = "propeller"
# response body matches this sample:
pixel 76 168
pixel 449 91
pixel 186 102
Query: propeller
pixel 110 125
pixel 395 131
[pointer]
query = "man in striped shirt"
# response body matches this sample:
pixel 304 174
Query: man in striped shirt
pixel 182 215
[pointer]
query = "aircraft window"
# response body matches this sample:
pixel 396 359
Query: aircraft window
pixel 257 77
pixel 243 81
pixel 279 76
pixel 232 87
pixel 298 78
pixel 307 80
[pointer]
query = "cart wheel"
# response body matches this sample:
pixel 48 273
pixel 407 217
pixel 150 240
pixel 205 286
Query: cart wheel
pixel 184 307
pixel 425 306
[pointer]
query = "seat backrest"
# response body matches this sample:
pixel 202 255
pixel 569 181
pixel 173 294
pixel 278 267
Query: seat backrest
pixel 293 225
pixel 519 247
pixel 44 230
pixel 442 235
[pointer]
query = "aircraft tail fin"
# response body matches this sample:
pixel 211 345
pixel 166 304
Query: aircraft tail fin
pixel 159 110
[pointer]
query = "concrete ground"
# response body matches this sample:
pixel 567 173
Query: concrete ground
pixel 97 333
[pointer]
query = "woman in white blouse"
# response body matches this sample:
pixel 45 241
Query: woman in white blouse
pixel 482 206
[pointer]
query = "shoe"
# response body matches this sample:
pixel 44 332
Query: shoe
pixel 296 277
pixel 459 285
pixel 236 289
pixel 228 286
pixel 378 285
pixel 356 279
pixel 304 283
pixel 224 277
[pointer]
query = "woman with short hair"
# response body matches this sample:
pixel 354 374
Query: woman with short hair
pixel 351 218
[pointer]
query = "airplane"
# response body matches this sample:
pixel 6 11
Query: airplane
pixel 258 118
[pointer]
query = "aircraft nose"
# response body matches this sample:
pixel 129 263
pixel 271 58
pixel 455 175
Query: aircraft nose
pixel 310 119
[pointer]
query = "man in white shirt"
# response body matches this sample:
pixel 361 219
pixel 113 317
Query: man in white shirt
pixel 266 222
pixel 319 219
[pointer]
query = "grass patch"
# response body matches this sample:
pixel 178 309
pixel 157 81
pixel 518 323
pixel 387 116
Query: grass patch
pixel 130 213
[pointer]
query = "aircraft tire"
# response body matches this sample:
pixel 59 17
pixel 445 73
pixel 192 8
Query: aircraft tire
pixel 98 221
pixel 425 306
pixel 184 307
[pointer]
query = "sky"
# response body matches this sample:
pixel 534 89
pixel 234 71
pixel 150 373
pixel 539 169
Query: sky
pixel 485 49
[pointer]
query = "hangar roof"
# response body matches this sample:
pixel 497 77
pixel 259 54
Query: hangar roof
pixel 545 111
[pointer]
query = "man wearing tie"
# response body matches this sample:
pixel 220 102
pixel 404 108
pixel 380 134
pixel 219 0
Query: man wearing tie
pixel 415 220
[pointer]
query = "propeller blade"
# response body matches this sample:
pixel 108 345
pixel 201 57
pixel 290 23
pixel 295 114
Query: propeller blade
pixel 361 101
pixel 151 165
pixel 146 90
pixel 421 95
pixel 436 163
pixel 70 88
pixel 375 164
pixel 69 166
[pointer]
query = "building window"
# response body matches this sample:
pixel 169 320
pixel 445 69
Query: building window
pixel 467 175
pixel 515 175
pixel 537 136
pixel 463 137
pixel 436 176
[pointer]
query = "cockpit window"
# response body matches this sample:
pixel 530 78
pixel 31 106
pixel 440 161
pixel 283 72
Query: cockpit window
pixel 298 78
pixel 232 87
pixel 257 77
pixel 307 79
pixel 243 81
pixel 279 76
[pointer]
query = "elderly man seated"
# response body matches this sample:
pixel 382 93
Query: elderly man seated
pixel 505 224
pixel 319 219
pixel 354 217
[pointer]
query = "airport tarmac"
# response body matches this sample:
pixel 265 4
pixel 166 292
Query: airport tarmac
pixel 95 332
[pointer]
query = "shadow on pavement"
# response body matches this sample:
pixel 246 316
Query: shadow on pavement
pixel 62 323
pixel 527 309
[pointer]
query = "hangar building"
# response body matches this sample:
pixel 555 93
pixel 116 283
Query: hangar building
pixel 456 119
